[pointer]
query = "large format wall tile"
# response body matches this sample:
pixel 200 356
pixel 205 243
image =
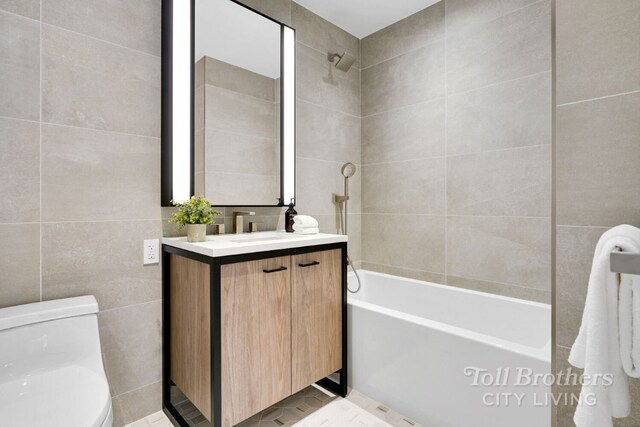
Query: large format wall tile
pixel 323 133
pixel 90 175
pixel 19 171
pixel 316 183
pixel 132 24
pixel 414 77
pixel 598 148
pixel 503 289
pixel 575 250
pixel 513 182
pixel 137 404
pixel 19 264
pixel 318 81
pixel 466 15
pixel 407 187
pixel 99 258
pixel 403 36
pixel 407 241
pixel 322 35
pixel 412 132
pixel 477 59
pixel 28 8
pixel 512 114
pixel 500 249
pixel 409 273
pixel 90 83
pixel 332 224
pixel 19 67
pixel 131 345
pixel 597 48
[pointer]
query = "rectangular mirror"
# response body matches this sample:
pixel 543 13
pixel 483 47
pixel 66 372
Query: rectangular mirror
pixel 232 105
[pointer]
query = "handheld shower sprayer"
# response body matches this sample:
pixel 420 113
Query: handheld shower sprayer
pixel 347 170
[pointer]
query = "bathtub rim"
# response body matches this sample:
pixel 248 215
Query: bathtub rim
pixel 542 354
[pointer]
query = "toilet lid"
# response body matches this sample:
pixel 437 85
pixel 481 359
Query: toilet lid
pixel 70 396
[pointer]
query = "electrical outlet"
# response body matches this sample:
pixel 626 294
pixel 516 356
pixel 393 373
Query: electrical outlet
pixel 151 251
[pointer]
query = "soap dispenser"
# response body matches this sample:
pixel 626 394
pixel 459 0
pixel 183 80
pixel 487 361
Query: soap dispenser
pixel 288 217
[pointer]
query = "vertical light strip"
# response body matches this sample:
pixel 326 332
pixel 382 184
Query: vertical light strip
pixel 181 67
pixel 289 114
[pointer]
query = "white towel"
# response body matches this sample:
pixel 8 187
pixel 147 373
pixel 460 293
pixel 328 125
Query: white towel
pixel 298 227
pixel 305 220
pixel 597 347
pixel 312 230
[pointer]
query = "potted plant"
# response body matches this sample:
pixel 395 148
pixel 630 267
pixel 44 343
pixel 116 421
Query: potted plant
pixel 195 213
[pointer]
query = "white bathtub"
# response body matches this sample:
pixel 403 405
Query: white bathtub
pixel 411 342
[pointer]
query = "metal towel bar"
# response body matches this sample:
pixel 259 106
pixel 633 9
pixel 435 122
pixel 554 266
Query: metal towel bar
pixel 625 262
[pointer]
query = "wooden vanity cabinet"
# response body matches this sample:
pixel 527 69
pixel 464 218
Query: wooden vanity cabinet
pixel 243 332
pixel 256 336
pixel 316 317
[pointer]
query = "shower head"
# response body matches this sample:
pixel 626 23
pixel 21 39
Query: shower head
pixel 348 170
pixel 344 62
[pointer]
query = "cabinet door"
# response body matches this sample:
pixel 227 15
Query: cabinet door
pixel 256 336
pixel 316 306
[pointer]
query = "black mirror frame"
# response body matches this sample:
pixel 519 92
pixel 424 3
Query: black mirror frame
pixel 167 106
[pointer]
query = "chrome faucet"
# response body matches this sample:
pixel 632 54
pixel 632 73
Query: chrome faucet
pixel 238 221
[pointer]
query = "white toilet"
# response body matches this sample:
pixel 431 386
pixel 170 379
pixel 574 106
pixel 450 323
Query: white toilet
pixel 51 371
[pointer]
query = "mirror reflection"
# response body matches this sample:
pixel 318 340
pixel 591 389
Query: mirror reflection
pixel 237 111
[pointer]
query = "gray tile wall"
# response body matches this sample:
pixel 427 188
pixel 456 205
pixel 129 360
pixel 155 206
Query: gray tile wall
pixel 598 149
pixel 456 146
pixel 80 173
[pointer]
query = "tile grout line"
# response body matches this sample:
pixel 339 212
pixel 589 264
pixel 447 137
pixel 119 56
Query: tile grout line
pixel 99 40
pixel 475 153
pixel 80 127
pixel 136 389
pixel 17 15
pixel 464 92
pixel 84 221
pixel 446 138
pixel 599 98
pixel 454 215
pixel 138 304
pixel 40 152
pixel 413 50
pixel 298 98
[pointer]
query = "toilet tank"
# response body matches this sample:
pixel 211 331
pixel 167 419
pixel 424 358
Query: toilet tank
pixel 48 335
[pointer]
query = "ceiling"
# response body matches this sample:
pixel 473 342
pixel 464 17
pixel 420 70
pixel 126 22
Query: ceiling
pixel 364 17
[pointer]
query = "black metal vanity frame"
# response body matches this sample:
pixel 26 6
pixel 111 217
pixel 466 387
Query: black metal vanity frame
pixel 339 388
pixel 166 128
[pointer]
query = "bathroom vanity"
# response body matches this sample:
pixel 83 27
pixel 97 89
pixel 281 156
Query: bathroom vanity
pixel 250 319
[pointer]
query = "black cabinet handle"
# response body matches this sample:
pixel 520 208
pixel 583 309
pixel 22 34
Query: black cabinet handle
pixel 310 264
pixel 275 269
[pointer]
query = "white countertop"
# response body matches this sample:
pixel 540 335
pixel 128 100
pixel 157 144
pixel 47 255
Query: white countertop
pixel 262 241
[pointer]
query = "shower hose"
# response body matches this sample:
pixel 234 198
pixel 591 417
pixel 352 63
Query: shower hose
pixel 343 223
